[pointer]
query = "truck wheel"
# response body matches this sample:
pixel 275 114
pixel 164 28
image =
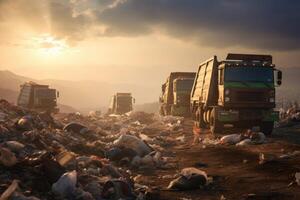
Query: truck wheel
pixel 161 110
pixel 267 127
pixel 200 118
pixel 215 125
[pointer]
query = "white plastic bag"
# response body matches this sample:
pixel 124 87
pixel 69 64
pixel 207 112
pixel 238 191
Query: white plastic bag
pixel 230 139
pixel 133 143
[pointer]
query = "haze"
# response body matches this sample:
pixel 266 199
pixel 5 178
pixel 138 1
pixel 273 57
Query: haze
pixel 138 42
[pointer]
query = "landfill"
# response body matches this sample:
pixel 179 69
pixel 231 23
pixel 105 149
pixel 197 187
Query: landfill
pixel 80 157
pixel 137 155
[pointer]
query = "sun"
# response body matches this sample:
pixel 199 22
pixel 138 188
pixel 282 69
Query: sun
pixel 50 46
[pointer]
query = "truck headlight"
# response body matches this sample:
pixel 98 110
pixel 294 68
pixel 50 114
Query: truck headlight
pixel 227 99
pixel 227 91
pixel 272 100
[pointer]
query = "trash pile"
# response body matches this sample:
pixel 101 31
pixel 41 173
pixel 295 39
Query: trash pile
pixel 190 179
pixel 82 157
pixel 249 137
pixel 289 116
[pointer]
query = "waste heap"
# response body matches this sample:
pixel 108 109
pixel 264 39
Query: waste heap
pixel 70 156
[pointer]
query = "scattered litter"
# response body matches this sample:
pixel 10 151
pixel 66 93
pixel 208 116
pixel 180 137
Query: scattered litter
pixel 66 184
pixel 10 190
pixel 7 158
pixel 189 179
pixel 230 139
pixel 297 176
pixel 134 143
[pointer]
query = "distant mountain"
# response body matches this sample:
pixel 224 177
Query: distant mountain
pixel 9 95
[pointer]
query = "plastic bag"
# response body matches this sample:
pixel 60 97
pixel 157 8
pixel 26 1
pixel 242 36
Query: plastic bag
pixel 66 184
pixel 133 143
pixel 230 139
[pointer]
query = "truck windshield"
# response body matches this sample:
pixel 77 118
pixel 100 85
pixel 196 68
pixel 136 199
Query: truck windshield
pixel 251 74
pixel 184 85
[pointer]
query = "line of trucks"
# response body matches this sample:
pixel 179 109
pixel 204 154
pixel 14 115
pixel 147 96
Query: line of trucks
pixel 238 91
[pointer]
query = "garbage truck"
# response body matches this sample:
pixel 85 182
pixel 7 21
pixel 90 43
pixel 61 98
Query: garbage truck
pixel 38 97
pixel 175 96
pixel 121 103
pixel 236 92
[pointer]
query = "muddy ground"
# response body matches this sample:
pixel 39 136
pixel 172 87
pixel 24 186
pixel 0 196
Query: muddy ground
pixel 236 171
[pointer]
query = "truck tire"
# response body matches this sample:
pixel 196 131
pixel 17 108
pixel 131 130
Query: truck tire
pixel 167 110
pixel 267 127
pixel 200 118
pixel 215 125
pixel 161 110
pixel 172 111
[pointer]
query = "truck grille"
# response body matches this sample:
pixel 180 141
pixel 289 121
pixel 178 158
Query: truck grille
pixel 250 96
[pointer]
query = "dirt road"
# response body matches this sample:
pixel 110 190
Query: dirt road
pixel 236 171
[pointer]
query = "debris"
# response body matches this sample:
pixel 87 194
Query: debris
pixel 10 190
pixel 134 143
pixel 117 189
pixel 7 158
pixel 66 184
pixel 25 123
pixel 265 158
pixel 230 139
pixel 74 127
pixel 65 157
pixel 258 138
pixel 189 179
pixel 116 153
pixel 297 176
pixel 245 142
pixel 14 146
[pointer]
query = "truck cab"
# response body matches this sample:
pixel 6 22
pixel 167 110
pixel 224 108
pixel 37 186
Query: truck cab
pixel 38 97
pixel 239 91
pixel 121 103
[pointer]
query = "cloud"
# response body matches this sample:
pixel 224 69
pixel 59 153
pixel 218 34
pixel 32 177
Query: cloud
pixel 268 24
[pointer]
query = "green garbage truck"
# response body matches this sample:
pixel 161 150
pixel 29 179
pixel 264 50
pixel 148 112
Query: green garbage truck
pixel 238 92
pixel 38 97
pixel 121 103
pixel 175 96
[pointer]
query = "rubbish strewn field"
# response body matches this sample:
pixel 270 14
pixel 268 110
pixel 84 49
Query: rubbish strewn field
pixel 138 156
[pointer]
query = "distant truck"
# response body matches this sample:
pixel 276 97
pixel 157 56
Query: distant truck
pixel 175 97
pixel 121 103
pixel 238 91
pixel 38 97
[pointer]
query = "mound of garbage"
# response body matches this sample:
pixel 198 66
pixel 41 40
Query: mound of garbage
pixel 70 156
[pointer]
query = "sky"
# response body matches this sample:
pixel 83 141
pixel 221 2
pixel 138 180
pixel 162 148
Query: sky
pixel 140 41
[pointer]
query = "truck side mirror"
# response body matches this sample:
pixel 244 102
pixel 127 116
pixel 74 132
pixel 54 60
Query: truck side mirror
pixel 57 94
pixel 133 100
pixel 279 77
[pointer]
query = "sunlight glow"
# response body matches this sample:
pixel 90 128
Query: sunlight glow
pixel 49 46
